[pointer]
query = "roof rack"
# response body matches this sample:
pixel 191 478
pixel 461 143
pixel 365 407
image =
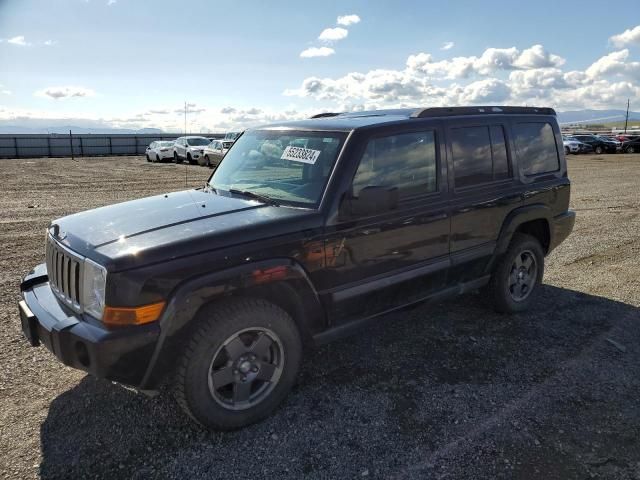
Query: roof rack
pixel 488 110
pixel 326 114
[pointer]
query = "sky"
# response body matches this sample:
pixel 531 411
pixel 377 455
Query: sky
pixel 134 64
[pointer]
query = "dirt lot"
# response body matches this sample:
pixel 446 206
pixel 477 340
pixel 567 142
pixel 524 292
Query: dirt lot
pixel 446 391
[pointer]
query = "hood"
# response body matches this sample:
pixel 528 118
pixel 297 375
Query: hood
pixel 169 225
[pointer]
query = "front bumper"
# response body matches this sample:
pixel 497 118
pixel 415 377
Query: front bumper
pixel 121 355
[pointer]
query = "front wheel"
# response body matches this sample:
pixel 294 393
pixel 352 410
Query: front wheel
pixel 517 274
pixel 631 149
pixel 158 158
pixel 239 364
pixel 599 150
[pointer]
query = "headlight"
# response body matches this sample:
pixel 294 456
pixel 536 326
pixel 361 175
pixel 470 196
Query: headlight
pixel 93 288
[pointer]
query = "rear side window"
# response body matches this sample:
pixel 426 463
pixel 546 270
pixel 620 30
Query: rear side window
pixel 479 155
pixel 536 146
pixel 406 161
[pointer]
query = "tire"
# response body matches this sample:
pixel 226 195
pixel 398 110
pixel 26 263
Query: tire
pixel 511 288
pixel 176 158
pixel 631 149
pixel 207 163
pixel 148 159
pixel 214 347
pixel 158 159
pixel 566 150
pixel 599 150
pixel 189 159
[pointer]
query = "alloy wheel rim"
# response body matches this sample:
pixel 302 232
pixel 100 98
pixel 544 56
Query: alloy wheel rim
pixel 246 368
pixel 523 275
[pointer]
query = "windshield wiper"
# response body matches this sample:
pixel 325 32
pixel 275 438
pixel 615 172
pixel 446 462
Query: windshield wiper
pixel 257 196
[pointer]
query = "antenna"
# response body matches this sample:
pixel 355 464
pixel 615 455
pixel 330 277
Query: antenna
pixel 185 139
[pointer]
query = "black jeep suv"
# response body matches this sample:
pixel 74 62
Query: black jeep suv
pixel 307 231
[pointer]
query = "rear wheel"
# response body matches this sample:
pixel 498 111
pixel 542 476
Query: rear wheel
pixel 631 149
pixel 599 150
pixel 207 162
pixel 148 159
pixel 239 365
pixel 517 274
pixel 176 158
pixel 189 159
pixel 158 158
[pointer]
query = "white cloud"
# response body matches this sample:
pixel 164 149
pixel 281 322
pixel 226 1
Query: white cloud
pixel 628 37
pixel 333 34
pixel 616 64
pixel 18 40
pixel 49 43
pixel 496 76
pixel 447 45
pixel 347 20
pixel 317 52
pixel 111 2
pixel 64 92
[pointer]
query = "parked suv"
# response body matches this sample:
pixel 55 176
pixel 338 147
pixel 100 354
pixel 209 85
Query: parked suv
pixel 307 231
pixel 189 149
pixel 599 144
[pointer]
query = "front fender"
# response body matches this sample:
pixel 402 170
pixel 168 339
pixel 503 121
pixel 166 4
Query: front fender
pixel 191 295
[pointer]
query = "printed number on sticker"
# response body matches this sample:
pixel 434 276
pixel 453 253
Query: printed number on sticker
pixel 299 154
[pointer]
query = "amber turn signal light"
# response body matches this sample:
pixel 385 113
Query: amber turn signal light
pixel 121 316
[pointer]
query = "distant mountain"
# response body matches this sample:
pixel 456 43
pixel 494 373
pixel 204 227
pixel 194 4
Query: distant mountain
pixel 16 129
pixel 596 116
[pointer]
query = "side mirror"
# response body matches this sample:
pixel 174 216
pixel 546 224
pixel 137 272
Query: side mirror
pixel 373 200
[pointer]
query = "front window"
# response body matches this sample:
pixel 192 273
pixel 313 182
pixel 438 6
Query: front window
pixel 198 142
pixel 288 166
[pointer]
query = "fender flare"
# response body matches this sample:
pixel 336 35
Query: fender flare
pixel 187 299
pixel 519 216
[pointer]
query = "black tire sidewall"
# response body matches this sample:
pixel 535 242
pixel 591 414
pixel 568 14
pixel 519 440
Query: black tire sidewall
pixel 220 324
pixel 499 285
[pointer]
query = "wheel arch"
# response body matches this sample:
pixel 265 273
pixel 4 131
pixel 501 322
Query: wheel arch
pixel 283 282
pixel 535 220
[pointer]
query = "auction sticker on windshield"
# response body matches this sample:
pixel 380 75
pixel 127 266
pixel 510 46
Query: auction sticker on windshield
pixel 299 154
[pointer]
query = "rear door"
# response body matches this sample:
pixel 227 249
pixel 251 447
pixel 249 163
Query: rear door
pixel 381 261
pixel 483 191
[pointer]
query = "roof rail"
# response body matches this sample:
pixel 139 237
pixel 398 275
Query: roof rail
pixel 485 110
pixel 326 114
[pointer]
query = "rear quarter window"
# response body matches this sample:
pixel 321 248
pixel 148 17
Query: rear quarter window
pixel 536 148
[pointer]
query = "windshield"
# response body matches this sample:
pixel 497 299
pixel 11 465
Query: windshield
pixel 288 166
pixel 198 141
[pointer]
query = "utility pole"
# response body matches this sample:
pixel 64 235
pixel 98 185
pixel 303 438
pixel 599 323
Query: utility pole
pixel 71 145
pixel 626 120
pixel 185 117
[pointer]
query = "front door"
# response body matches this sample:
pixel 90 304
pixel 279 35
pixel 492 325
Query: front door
pixel 377 262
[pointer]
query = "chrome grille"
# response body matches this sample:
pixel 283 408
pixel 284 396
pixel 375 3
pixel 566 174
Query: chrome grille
pixel 65 269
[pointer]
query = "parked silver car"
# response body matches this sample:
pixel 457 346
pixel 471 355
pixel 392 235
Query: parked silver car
pixel 214 152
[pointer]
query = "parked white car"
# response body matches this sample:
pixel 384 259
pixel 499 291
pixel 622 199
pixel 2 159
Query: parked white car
pixel 214 152
pixel 189 148
pixel 571 145
pixel 159 151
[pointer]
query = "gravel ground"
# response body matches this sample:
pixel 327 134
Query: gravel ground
pixel 441 391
